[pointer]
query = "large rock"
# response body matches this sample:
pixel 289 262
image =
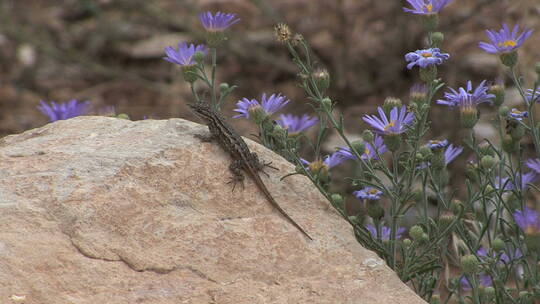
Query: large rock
pixel 103 210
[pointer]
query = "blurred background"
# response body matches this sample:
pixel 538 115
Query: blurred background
pixel 110 53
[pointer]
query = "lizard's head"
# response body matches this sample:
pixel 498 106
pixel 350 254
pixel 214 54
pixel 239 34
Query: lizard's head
pixel 201 109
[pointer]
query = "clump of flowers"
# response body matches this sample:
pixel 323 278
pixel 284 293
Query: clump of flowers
pixel 65 110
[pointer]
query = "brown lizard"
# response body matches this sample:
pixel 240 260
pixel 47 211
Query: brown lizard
pixel 244 159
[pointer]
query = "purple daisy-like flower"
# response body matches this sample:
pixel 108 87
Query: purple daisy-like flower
pixel 426 7
pixel 533 164
pixel 65 110
pixel 521 180
pixel 425 58
pixel 467 98
pixel 484 280
pixel 528 220
pixel 370 151
pixel 368 193
pixel 184 55
pixel 451 153
pixel 437 144
pixel 269 105
pixel 532 95
pixel 385 232
pixel 328 162
pixel 504 41
pixel 483 254
pixel 296 124
pixel 399 120
pixel 517 114
pixel 217 22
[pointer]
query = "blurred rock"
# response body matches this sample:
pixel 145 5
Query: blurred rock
pixel 153 47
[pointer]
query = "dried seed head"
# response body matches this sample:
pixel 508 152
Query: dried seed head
pixel 283 33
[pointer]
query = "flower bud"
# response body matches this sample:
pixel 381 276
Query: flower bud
pixel 418 94
pixel 498 245
pixel 446 219
pixel 337 199
pixel 532 239
pixel 517 131
pixel 489 292
pixel 392 142
pixel 279 132
pixel 416 232
pixel 497 89
pixel 224 87
pixel 359 146
pixel 503 111
pixel 489 189
pixel 437 39
pixel 469 116
pixel 327 104
pixel 375 210
pixel 390 103
pixel 322 78
pixel 424 238
pixel 486 149
pixel 407 242
pixel 190 73
pixel 487 162
pixel 257 114
pixel 469 264
pixel 123 116
pixel 509 59
pixel 367 136
pixel 435 299
pixel 425 151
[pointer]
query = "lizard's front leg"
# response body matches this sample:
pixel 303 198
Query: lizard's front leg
pixel 207 137
pixel 259 165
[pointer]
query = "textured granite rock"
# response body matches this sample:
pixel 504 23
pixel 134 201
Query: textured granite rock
pixel 104 210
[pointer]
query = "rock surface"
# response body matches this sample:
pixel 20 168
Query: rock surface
pixel 104 210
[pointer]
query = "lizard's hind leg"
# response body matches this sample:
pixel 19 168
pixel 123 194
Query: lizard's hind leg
pixel 260 165
pixel 238 176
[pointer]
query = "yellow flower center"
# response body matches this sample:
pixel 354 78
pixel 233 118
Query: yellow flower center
pixel 508 43
pixel 373 191
pixel 427 55
pixel 514 111
pixel 366 151
pixel 435 142
pixel 530 229
pixel 429 8
pixel 390 125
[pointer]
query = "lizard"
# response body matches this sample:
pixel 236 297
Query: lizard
pixel 243 158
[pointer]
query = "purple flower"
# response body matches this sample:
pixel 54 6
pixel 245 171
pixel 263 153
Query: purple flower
pixel 369 152
pixel 533 164
pixel 533 95
pixel 64 110
pixel 296 124
pixel 521 180
pixel 368 193
pixel 503 257
pixel 517 114
pixel 504 41
pixel 467 98
pixel 184 55
pixel 385 232
pixel 399 120
pixel 437 144
pixel 217 22
pixel 425 58
pixel 269 105
pixel 451 153
pixel 328 162
pixel 528 220
pixel 484 280
pixel 426 7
